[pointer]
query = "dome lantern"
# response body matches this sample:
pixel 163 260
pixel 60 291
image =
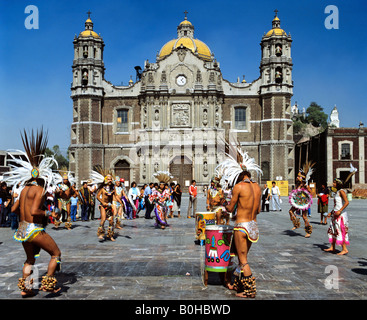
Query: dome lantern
pixel 88 32
pixel 276 29
pixel 185 28
pixel 185 38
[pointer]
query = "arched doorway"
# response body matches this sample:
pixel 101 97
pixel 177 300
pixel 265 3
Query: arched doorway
pixel 122 169
pixel 181 169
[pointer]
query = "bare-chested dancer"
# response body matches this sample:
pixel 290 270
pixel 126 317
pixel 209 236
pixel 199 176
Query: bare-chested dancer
pixel 106 195
pixel 65 190
pixel 117 207
pixel 246 196
pixel 32 214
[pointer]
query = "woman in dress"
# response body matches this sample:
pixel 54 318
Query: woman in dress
pixel 338 230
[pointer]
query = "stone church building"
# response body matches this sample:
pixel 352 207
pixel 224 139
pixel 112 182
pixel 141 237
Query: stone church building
pixel 179 111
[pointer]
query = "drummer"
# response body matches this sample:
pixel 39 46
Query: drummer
pixel 246 196
pixel 215 201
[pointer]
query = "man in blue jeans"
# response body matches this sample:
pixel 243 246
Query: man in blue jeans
pixel 275 194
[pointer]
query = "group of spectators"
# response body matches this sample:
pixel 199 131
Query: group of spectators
pixel 7 218
pixel 83 201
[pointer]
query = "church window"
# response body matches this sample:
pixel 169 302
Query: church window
pixel 122 121
pixel 240 118
pixel 345 151
pixel 265 167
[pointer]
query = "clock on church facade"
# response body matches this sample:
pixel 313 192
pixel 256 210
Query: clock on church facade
pixel 180 110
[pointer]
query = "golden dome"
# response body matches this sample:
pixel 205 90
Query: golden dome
pixel 89 33
pixel 194 45
pixel 276 32
pixel 186 22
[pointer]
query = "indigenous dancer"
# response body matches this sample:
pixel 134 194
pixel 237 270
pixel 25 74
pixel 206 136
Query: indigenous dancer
pixel 246 196
pixel 215 200
pixel 117 205
pixel 159 197
pixel 105 195
pixel 65 190
pixel 338 231
pixel 300 199
pixel 35 175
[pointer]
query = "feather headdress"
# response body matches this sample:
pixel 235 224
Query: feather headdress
pixel 233 166
pixel 99 175
pixel 33 164
pixel 163 176
pixel 352 172
pixel 64 175
pixel 308 170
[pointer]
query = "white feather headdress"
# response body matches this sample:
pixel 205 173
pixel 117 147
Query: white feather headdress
pixel 163 176
pixel 33 163
pixel 99 175
pixel 231 168
pixel 60 177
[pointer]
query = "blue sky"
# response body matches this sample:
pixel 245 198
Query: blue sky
pixel 35 69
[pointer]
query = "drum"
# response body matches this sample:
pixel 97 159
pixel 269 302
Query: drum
pixel 217 248
pixel 203 219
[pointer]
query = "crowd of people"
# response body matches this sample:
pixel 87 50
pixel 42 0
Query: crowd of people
pixel 81 202
pixel 39 196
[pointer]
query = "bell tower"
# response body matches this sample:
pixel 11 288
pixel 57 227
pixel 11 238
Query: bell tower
pixel 276 61
pixel 87 94
pixel 276 90
pixel 88 66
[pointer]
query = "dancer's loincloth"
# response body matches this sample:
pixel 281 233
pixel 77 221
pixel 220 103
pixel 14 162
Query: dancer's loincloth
pixel 249 228
pixel 28 231
pixel 64 203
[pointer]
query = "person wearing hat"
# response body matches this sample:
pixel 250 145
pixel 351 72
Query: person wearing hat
pixel 246 198
pixel 65 190
pixel 35 175
pixel 300 200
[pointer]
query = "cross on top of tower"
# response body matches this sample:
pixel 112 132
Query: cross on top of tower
pixel 89 13
pixel 276 13
pixel 185 12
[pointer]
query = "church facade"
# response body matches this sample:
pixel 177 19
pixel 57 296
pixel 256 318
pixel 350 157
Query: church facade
pixel 179 111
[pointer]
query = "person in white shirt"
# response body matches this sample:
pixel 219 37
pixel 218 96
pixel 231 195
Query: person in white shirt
pixel 275 194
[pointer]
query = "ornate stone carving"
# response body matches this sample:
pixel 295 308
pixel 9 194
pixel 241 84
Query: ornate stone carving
pixel 180 115
pixel 181 53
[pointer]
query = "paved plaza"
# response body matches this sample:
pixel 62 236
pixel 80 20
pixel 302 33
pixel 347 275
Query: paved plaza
pixel 145 263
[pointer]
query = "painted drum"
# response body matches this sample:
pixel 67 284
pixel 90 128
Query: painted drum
pixel 217 248
pixel 203 219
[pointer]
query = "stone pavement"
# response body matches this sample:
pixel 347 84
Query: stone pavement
pixel 145 263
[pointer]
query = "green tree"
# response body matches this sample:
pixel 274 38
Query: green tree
pixel 61 160
pixel 316 115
